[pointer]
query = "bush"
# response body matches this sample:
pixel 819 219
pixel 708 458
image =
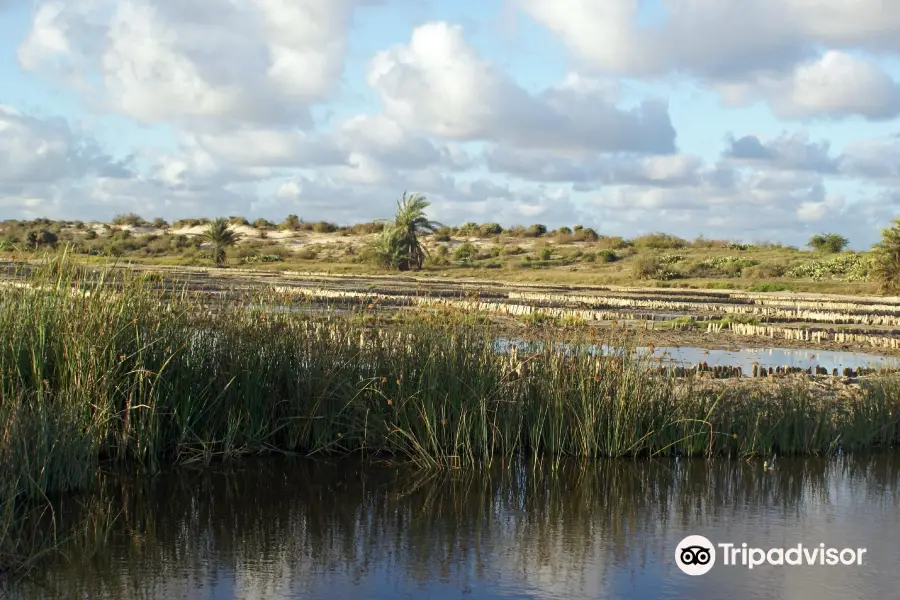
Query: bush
pixel 659 241
pixel 831 243
pixel 307 254
pixel 128 219
pixel 439 256
pixel 612 243
pixel 536 230
pixel 324 227
pixel 263 258
pixel 41 237
pixel 769 287
pixel 238 220
pixel 767 271
pixel 886 260
pixel 650 267
pixel 847 267
pixel 738 246
pixel 584 234
pixel 545 253
pixel 190 223
pixel 488 229
pixel 160 223
pixel 291 223
pixel 470 229
pixel 465 253
pixel 720 266
pixel 263 224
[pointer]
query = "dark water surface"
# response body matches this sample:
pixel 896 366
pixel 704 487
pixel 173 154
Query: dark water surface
pixel 279 529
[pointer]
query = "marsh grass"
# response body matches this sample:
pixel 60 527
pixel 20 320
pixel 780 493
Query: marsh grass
pixel 121 369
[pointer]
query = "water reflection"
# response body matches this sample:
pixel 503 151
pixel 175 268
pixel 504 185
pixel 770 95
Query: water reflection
pixel 744 357
pixel 279 529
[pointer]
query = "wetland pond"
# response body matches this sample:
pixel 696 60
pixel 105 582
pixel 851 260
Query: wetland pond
pixel 745 357
pixel 278 529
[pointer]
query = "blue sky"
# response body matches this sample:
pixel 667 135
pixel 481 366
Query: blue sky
pixel 628 116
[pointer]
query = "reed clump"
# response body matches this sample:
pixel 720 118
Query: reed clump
pixel 150 375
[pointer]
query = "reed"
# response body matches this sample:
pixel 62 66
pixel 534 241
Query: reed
pixel 117 367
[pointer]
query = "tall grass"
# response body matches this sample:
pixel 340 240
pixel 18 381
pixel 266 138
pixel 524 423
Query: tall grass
pixel 120 368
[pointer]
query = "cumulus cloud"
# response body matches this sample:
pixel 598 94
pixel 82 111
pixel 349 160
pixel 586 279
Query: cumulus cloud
pixel 239 86
pixel 786 152
pixel 35 150
pixel 876 159
pixel 589 170
pixel 259 61
pixel 834 86
pixel 755 208
pixel 767 48
pixel 439 85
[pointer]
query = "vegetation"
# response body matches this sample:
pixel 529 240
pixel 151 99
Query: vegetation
pixel 887 259
pixel 145 374
pixel 221 236
pixel 400 245
pixel 828 242
pixel 566 255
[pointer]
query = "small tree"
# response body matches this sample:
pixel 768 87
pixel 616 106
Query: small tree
pixel 41 237
pixel 132 219
pixel 221 236
pixel 887 258
pixel 536 230
pixel 828 242
pixel 291 223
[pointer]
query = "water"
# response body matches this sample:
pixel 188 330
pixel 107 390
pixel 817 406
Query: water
pixel 744 358
pixel 773 357
pixel 282 529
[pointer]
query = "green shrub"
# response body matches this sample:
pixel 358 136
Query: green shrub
pixel 465 253
pixel 131 219
pixel 536 230
pixel 769 287
pixel 650 267
pixel 846 267
pixel 659 241
pixel 828 242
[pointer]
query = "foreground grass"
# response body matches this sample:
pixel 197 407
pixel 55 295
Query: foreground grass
pixel 135 374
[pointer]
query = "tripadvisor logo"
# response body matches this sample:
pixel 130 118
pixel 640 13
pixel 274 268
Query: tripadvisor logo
pixel 696 555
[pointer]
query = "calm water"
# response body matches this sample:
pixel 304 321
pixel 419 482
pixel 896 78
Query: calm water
pixel 277 529
pixel 745 357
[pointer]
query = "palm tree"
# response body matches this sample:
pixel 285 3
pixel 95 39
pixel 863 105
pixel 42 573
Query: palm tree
pixel 410 223
pixel 219 233
pixel 887 258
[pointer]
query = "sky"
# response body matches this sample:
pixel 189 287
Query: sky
pixel 754 120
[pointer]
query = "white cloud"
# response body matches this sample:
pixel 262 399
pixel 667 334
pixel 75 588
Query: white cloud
pixel 42 151
pixel 835 86
pixel 876 159
pixel 587 170
pixel 771 48
pixel 239 84
pixel 439 85
pixel 257 61
pixel 786 152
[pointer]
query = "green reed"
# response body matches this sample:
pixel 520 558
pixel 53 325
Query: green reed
pixel 122 367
